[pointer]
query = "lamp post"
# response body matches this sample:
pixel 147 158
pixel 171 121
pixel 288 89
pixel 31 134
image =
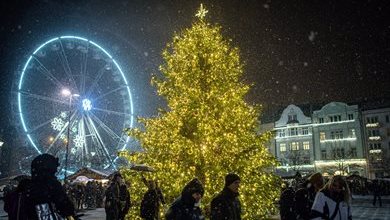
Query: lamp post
pixel 68 93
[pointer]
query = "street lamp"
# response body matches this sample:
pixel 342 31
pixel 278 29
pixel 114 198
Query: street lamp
pixel 68 93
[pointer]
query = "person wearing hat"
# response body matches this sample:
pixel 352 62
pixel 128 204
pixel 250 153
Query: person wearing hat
pixel 186 207
pixel 226 204
pixel 304 197
pixel 45 195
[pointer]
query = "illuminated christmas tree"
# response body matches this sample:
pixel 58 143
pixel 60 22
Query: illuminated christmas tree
pixel 207 130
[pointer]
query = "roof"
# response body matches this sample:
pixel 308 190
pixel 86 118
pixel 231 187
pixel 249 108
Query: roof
pixel 90 173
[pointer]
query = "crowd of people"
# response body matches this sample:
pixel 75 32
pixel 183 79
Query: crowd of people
pixel 316 197
pixel 43 197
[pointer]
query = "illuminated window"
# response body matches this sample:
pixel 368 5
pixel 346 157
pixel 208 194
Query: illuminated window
pixel 322 136
pixel 294 145
pixel 306 145
pixel 282 147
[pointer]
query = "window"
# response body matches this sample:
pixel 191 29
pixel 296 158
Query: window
pixel 294 145
pixel 293 131
pixel 353 152
pixel 305 131
pixel 387 118
pixel 373 133
pixel 282 147
pixel 350 116
pixel 388 132
pixel 321 120
pixel 306 145
pixel 335 118
pixel 336 134
pixel 352 133
pixel 292 117
pixel 323 154
pixel 338 153
pixel 373 119
pixel 375 146
pixel 322 136
pixel 281 133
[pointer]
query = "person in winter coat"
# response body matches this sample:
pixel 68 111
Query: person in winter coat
pixel 150 205
pixel 286 203
pixel 14 201
pixel 333 201
pixel 377 191
pixel 45 196
pixel 186 207
pixel 117 203
pixel 304 197
pixel 226 204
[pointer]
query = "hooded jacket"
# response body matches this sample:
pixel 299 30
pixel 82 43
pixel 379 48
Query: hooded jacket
pixel 185 207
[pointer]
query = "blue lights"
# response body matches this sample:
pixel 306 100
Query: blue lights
pixel 86 103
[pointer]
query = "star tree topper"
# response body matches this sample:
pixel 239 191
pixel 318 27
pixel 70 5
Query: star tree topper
pixel 201 12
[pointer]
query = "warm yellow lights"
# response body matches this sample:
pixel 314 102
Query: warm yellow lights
pixel 207 129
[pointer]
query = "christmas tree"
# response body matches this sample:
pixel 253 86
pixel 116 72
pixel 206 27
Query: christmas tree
pixel 207 129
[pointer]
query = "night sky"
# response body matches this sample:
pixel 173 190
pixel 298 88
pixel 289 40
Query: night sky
pixel 307 51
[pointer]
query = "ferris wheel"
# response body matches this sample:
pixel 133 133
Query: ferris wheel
pixel 74 102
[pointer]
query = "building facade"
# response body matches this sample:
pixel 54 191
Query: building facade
pixel 338 140
pixel 329 140
pixel 294 142
pixel 376 124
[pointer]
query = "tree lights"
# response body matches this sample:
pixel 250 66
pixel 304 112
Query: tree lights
pixel 208 130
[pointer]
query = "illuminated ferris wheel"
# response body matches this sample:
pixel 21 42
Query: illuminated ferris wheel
pixel 74 102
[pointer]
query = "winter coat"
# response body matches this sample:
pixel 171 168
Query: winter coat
pixel 184 208
pixel 226 206
pixel 150 204
pixel 117 203
pixel 326 206
pixel 304 199
pixel 46 196
pixel 286 204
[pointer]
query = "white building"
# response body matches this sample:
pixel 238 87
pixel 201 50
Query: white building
pixel 338 140
pixel 294 142
pixel 376 125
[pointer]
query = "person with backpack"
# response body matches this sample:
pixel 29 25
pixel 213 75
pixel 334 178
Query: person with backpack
pixel 333 201
pixel 43 197
pixel 286 203
pixel 304 197
pixel 150 204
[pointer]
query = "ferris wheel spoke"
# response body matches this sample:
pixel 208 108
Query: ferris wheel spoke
pixel 84 70
pixel 95 81
pixel 42 97
pixel 112 112
pixel 47 73
pixel 110 92
pixel 39 126
pixel 107 129
pixel 66 66
pixel 104 148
